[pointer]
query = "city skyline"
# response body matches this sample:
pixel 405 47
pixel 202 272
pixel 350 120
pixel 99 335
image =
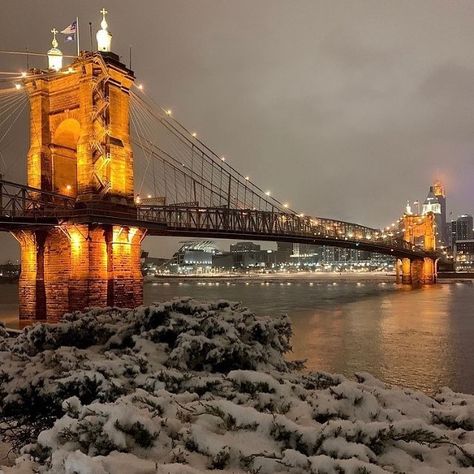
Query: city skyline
pixel 236 235
pixel 339 99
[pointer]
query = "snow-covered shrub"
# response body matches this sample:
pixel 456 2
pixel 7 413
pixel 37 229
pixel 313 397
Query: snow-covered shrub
pixel 100 355
pixel 186 387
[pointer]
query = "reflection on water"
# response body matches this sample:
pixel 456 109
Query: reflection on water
pixel 9 304
pixel 416 338
pixel 403 337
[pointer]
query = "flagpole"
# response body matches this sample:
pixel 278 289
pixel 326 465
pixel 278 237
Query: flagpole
pixel 77 35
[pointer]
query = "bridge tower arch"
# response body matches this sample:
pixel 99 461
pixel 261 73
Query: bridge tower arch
pixel 82 112
pixel 80 147
pixel 64 157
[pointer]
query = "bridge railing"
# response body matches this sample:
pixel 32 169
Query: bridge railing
pixel 19 202
pixel 255 222
pixel 22 201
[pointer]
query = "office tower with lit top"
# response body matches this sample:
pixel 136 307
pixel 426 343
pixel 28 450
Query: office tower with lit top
pixel 435 202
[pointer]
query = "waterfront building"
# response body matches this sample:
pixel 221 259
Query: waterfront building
pixel 152 265
pixel 9 271
pixel 201 256
pixel 305 250
pixel 246 256
pixel 284 251
pixel 194 256
pixel 464 255
pixel 285 247
pixel 244 247
pixel 223 261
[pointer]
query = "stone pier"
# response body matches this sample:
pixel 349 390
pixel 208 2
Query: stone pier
pixel 78 266
pixel 416 272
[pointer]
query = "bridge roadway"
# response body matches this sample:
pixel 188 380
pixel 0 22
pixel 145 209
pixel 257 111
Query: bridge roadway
pixel 24 207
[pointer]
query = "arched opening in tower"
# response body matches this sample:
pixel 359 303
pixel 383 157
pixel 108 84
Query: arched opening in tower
pixel 64 157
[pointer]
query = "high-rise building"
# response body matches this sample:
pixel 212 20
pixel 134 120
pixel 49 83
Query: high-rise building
pixel 451 233
pixel 435 202
pixel 440 193
pixel 464 227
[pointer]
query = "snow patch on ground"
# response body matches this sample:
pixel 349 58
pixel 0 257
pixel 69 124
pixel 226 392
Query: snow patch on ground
pixel 189 387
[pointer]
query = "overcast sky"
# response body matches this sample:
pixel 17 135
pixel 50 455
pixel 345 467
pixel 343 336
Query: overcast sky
pixel 345 109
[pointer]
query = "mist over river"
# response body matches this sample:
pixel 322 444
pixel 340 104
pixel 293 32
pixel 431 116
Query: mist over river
pixel 422 338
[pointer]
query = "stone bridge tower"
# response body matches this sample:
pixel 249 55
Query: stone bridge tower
pixel 80 147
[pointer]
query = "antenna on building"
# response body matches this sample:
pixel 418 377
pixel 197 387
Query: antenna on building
pixel 90 35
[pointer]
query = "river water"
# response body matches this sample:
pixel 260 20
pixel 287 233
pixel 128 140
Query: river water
pixel 422 338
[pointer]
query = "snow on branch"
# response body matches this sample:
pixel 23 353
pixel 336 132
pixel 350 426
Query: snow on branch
pixel 189 387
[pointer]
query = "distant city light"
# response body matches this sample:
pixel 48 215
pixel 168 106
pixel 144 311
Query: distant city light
pixel 223 158
pixel 169 112
pixel 247 178
pixel 267 193
pixel 23 74
pixel 285 205
pixel 194 134
pixel 140 86
pixel 17 86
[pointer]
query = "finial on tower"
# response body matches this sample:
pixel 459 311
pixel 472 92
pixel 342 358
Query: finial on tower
pixel 55 56
pixel 104 37
pixel 103 23
pixel 54 42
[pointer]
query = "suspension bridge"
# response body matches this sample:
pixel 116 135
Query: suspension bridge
pixel 107 166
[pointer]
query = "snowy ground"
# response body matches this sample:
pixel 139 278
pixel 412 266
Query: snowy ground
pixel 186 387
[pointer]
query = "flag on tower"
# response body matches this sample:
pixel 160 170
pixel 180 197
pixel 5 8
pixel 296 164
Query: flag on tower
pixel 70 31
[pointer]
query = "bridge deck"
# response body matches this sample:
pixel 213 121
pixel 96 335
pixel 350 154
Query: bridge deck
pixel 23 207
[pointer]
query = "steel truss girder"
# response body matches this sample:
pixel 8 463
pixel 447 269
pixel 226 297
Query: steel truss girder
pixel 22 205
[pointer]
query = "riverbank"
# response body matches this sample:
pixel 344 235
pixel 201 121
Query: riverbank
pixel 447 276
pixel 341 276
pixel 187 387
pixel 444 277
